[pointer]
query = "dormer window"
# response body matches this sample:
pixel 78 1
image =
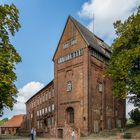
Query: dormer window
pixel 65 45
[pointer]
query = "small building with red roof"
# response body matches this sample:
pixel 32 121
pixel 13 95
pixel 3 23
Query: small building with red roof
pixel 13 125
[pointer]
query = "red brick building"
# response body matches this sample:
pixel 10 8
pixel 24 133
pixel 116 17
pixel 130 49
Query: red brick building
pixel 40 110
pixel 82 96
pixel 13 125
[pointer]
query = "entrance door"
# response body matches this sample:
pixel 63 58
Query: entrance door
pixel 109 124
pixel 60 133
pixel 96 126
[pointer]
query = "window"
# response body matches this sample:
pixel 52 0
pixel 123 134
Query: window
pixel 70 56
pixel 49 121
pixel 49 109
pixel 69 86
pixel 52 107
pixel 73 42
pixel 65 45
pixel 100 87
pixel 37 113
pixel 70 115
pixel 97 55
pixel 43 111
pixel 46 110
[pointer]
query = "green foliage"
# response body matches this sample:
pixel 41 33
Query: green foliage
pixel 127 135
pixel 3 121
pixel 124 66
pixel 135 115
pixel 9 25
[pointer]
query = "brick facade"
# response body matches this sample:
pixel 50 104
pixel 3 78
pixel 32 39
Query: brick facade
pixel 83 97
pixel 41 110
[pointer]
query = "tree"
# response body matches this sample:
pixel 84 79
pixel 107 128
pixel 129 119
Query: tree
pixel 135 115
pixel 124 66
pixel 3 121
pixel 9 25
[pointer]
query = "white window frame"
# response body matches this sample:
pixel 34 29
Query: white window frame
pixel 65 45
pixel 52 107
pixel 46 110
pixel 73 42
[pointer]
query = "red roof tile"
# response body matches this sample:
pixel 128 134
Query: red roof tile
pixel 15 121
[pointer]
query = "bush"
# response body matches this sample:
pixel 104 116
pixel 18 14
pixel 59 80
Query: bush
pixel 135 115
pixel 127 135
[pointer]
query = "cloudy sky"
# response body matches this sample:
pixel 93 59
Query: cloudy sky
pixel 42 22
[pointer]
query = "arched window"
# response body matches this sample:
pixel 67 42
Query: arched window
pixel 70 115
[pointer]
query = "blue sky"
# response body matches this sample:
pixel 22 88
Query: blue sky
pixel 42 22
pixel 41 26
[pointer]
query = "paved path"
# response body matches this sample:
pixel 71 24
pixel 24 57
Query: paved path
pixel 97 138
pixel 30 139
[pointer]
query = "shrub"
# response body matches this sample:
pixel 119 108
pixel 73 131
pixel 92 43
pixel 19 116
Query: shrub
pixel 135 115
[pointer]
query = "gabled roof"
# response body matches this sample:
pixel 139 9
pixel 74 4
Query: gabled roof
pixel 15 121
pixel 91 39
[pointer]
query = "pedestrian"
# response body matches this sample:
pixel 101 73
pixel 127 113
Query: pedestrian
pixel 32 133
pixel 73 134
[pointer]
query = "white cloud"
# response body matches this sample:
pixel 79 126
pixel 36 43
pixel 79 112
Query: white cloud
pixel 106 12
pixel 129 107
pixel 24 94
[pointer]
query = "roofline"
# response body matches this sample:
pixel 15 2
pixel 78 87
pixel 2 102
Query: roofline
pixel 70 17
pixel 60 37
pixel 88 45
pixel 98 52
pixel 50 83
pixel 79 30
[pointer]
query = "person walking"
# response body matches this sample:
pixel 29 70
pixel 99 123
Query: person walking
pixel 73 134
pixel 32 133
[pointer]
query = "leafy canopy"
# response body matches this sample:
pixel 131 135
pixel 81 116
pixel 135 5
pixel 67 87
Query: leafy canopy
pixel 124 66
pixel 9 25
